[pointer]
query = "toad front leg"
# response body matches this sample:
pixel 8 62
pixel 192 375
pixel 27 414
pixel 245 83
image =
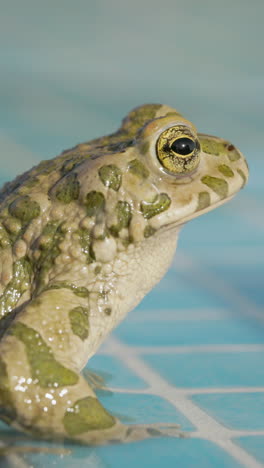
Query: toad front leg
pixel 41 389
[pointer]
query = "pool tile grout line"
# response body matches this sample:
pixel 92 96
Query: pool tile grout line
pixel 208 427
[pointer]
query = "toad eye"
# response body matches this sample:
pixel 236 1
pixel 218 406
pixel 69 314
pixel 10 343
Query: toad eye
pixel 178 150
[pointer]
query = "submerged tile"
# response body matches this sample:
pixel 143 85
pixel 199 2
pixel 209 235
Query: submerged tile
pixel 254 445
pixel 190 332
pixel 209 369
pixel 241 411
pixel 114 373
pixel 144 409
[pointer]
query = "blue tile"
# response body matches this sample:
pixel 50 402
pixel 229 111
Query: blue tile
pixel 190 332
pixel 211 370
pixel 254 445
pixel 248 280
pixel 227 228
pixel 144 409
pixel 114 372
pixel 167 453
pixel 182 293
pixel 242 411
pixel 153 453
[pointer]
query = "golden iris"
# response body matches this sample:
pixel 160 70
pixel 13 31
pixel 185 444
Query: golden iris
pixel 178 150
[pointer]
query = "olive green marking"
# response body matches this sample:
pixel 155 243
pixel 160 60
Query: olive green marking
pixel 124 215
pixel 108 311
pixel 28 185
pixel 13 227
pixel 80 322
pixel 226 170
pixel 97 270
pixel 160 203
pixel 233 153
pixel 20 282
pixel 44 367
pixel 95 203
pixel 80 291
pixel 128 240
pixel 86 244
pixel 137 168
pixel 7 409
pixel 87 414
pixel 241 173
pixel 129 431
pixel 173 114
pixel 154 432
pixel 203 201
pixel 67 189
pixel 72 162
pixel 212 146
pixel 111 176
pixel 4 238
pixel 46 167
pixel 144 147
pixel 149 231
pixel 219 186
pixel 24 209
pixel 50 239
pixel 138 117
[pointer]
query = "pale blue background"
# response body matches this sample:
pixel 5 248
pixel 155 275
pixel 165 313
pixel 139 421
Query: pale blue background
pixel 70 70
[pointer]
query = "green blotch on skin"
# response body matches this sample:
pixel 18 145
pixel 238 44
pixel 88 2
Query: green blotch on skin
pixel 7 409
pixel 219 186
pixel 226 170
pixel 44 367
pixel 86 415
pixel 160 203
pixel 138 117
pixel 241 173
pixel 68 189
pixel 127 241
pixel 108 311
pixel 97 270
pixel 211 146
pixel 149 231
pixel 137 168
pixel 50 239
pixel 46 167
pixel 13 226
pixel 95 203
pixel 80 291
pixel 4 238
pixel 86 244
pixel 72 162
pixel 20 283
pixel 124 216
pixel 144 147
pixel 233 154
pixel 24 209
pixel 111 176
pixel 203 201
pixel 173 114
pixel 27 186
pixel 80 322
pixel 154 432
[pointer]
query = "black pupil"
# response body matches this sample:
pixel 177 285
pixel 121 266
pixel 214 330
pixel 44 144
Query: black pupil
pixel 183 146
